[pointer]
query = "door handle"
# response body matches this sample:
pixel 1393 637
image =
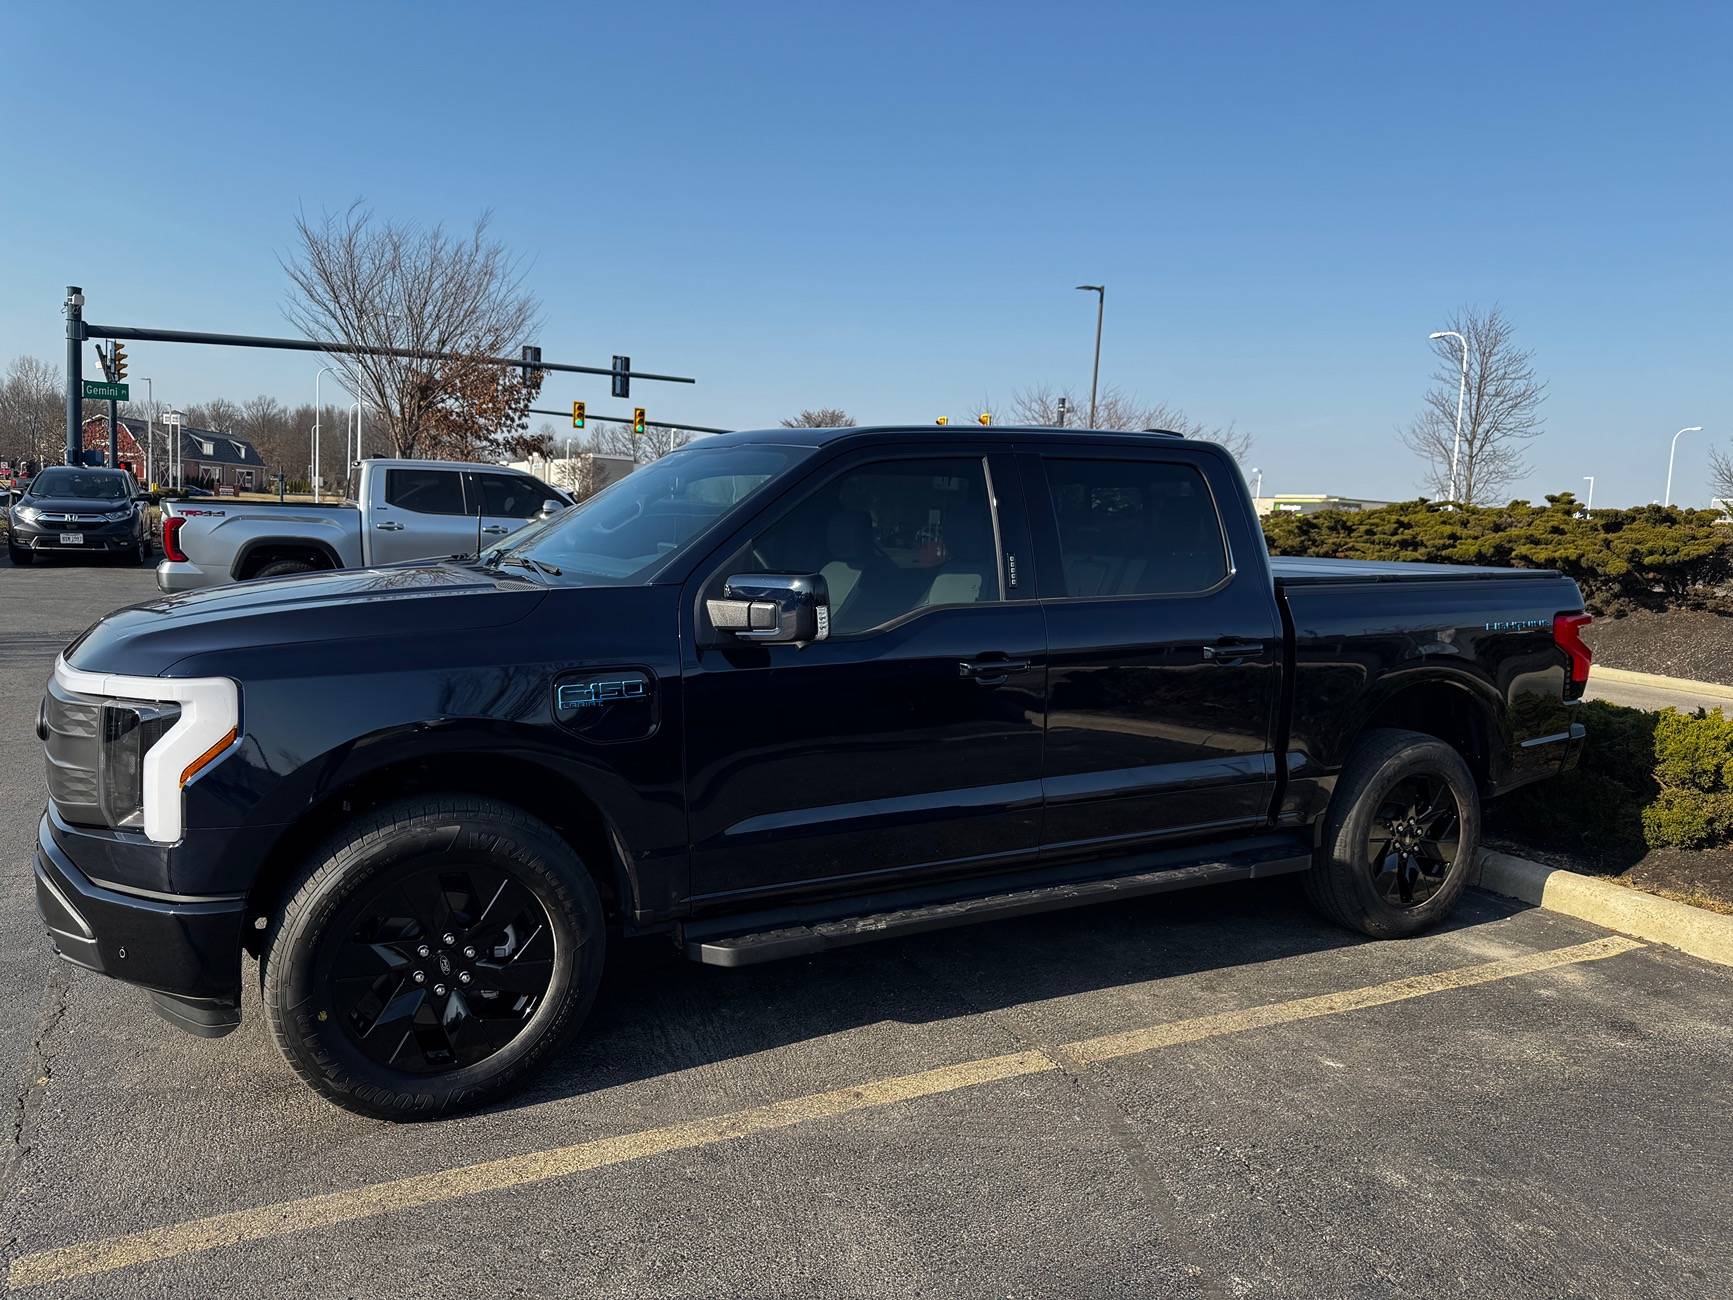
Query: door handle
pixel 1233 651
pixel 991 672
pixel 494 528
pixel 389 527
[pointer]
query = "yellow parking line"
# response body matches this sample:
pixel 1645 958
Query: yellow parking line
pixel 1176 1032
pixel 107 1254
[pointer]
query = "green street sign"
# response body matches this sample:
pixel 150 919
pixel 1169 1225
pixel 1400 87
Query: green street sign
pixel 96 390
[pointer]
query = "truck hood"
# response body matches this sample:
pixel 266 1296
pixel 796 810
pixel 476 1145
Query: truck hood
pixel 397 601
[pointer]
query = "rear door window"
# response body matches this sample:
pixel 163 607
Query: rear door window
pixel 1135 528
pixel 425 491
pixel 506 496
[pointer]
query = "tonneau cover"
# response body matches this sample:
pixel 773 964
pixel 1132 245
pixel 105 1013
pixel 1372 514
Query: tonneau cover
pixel 1305 570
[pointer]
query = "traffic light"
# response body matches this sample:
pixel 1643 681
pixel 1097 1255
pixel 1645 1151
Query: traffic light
pixel 118 352
pixel 622 376
pixel 985 417
pixel 943 419
pixel 637 422
pixel 577 415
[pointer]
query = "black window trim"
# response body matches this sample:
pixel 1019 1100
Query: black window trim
pixel 1044 515
pixel 774 510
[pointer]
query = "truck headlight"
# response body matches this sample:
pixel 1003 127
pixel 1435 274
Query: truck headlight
pixel 152 735
pixel 129 729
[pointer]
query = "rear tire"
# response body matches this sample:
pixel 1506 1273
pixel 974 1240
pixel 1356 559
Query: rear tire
pixel 1401 833
pixel 490 907
pixel 282 568
pixel 141 556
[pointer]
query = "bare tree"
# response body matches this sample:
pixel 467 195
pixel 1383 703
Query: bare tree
pixel 656 442
pixel 32 411
pixel 1500 416
pixel 821 417
pixel 381 284
pixel 1720 474
pixel 1117 410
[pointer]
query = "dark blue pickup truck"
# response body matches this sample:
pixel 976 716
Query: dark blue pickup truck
pixel 774 693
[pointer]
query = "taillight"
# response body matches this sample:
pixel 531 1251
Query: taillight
pixel 171 545
pixel 1567 634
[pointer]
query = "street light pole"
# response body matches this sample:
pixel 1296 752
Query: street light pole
pixel 316 378
pixel 1671 452
pixel 1591 501
pixel 1461 395
pixel 149 433
pixel 1100 292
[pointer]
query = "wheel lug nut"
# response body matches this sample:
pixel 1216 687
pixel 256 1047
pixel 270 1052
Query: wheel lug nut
pixel 423 951
pixel 439 990
pixel 420 977
pixel 448 939
pixel 469 951
pixel 463 977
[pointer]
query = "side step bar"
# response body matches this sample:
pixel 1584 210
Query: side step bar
pixel 796 940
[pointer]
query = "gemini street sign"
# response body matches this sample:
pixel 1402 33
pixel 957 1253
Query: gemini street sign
pixel 95 390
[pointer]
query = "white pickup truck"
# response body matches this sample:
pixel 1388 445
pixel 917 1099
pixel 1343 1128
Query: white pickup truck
pixel 406 510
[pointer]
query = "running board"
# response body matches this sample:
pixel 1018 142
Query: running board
pixel 748 949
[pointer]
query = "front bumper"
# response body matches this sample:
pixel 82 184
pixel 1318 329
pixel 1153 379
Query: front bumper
pixel 97 538
pixel 186 951
pixel 184 575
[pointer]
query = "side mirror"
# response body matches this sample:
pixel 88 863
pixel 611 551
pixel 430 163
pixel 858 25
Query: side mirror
pixel 551 506
pixel 778 607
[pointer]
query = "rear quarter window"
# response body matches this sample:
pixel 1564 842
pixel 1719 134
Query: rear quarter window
pixel 1135 528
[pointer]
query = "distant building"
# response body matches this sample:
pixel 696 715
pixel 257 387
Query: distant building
pixel 209 458
pixel 1310 503
pixel 564 473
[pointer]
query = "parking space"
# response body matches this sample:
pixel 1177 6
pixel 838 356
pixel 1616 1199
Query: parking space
pixel 1210 1093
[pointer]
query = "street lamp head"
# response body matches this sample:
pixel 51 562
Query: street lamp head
pixel 1695 428
pixel 1093 288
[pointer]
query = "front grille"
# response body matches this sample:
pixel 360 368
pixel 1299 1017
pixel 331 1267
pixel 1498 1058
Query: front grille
pixel 73 748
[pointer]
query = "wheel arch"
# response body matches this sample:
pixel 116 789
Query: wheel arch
pixel 1457 708
pixel 260 551
pixel 551 796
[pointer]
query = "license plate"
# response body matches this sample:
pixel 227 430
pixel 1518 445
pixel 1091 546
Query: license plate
pixel 72 539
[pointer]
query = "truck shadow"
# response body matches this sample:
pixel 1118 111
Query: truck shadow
pixel 658 1013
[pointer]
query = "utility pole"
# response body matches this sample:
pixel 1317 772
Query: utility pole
pixel 1100 292
pixel 74 374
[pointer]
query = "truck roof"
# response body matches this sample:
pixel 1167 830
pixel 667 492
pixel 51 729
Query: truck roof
pixel 956 432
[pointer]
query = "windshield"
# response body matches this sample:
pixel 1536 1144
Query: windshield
pixel 630 528
pixel 84 485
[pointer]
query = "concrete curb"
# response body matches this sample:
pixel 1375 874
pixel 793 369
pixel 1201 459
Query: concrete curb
pixel 1684 685
pixel 1692 930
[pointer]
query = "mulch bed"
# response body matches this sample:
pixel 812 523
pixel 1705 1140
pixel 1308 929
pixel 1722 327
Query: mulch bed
pixel 1689 643
pixel 1701 877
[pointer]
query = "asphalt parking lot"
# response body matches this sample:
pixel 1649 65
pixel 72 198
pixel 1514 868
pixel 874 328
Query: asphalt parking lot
pixel 1210 1094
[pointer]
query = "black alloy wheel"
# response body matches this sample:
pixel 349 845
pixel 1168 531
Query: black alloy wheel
pixel 441 968
pixel 1414 840
pixel 432 955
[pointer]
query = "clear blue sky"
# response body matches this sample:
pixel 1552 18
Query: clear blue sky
pixel 884 207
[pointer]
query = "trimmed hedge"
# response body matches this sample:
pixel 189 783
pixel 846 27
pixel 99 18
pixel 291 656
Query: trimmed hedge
pixel 1646 780
pixel 1648 557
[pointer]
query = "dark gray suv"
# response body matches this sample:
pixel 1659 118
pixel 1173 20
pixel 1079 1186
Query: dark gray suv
pixel 73 509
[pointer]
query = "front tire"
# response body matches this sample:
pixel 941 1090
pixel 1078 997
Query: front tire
pixel 432 956
pixel 19 555
pixel 1401 833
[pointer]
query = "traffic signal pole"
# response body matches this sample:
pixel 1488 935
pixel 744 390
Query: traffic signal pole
pixel 74 374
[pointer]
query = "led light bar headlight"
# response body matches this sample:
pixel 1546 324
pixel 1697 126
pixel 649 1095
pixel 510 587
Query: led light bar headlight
pixel 157 735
